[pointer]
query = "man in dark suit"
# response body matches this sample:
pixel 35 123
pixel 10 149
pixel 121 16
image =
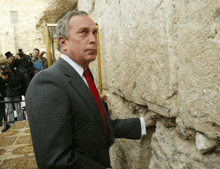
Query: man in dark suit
pixel 69 125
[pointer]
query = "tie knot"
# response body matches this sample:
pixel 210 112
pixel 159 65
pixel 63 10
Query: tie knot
pixel 88 75
pixel 85 73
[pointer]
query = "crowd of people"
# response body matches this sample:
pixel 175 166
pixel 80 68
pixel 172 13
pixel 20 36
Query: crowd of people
pixel 15 77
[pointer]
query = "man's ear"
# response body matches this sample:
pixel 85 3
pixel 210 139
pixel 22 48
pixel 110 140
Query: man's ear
pixel 62 42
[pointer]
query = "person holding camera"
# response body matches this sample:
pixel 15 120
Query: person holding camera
pixel 25 70
pixel 11 90
pixel 14 62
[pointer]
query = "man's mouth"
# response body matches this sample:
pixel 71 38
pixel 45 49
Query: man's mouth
pixel 92 51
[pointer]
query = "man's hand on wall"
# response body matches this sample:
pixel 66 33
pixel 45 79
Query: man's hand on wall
pixel 104 97
pixel 149 121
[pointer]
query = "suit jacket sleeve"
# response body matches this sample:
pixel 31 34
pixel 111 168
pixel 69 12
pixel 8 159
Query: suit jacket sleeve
pixel 125 128
pixel 47 105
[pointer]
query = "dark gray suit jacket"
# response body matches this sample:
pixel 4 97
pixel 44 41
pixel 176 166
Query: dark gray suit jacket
pixel 66 125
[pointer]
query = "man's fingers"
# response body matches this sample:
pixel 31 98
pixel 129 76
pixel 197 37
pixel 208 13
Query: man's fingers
pixel 152 122
pixel 149 121
pixel 104 97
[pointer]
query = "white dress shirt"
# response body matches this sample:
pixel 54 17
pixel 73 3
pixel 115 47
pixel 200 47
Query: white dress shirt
pixel 80 71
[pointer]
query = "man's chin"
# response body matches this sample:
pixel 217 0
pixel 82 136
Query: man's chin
pixel 92 57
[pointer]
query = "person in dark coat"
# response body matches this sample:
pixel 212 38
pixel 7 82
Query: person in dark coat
pixel 25 70
pixel 2 105
pixel 3 62
pixel 70 127
pixel 13 62
pixel 11 90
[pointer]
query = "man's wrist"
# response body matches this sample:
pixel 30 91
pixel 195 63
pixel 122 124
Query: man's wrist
pixel 143 126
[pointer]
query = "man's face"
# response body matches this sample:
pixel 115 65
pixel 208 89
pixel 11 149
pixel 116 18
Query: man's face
pixel 81 46
pixel 10 58
pixel 35 53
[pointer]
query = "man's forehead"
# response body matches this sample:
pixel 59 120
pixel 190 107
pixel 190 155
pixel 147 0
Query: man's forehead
pixel 93 27
pixel 81 21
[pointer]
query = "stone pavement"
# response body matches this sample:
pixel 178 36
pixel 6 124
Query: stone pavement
pixel 16 149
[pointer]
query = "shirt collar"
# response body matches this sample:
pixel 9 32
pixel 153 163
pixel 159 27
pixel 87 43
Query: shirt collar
pixel 78 68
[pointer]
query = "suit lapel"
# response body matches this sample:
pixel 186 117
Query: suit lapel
pixel 79 85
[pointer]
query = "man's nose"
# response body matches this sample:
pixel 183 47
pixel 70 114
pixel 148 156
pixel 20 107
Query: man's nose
pixel 93 38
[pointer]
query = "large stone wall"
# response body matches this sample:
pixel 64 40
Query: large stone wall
pixel 162 57
pixel 24 32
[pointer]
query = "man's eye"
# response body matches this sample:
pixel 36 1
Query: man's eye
pixel 82 32
pixel 95 32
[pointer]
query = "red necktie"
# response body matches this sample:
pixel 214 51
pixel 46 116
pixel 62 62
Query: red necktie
pixel 95 94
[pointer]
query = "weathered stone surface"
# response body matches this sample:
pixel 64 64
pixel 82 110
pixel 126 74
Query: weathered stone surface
pixel 204 144
pixel 6 141
pixel 198 73
pixel 23 150
pixel 171 151
pixel 20 162
pixel 2 151
pixel 129 153
pixel 16 150
pixel 164 55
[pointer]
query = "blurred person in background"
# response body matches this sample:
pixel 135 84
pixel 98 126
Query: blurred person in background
pixel 13 62
pixel 11 89
pixel 3 61
pixel 40 62
pixel 25 70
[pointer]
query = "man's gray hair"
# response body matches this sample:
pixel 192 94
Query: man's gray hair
pixel 63 25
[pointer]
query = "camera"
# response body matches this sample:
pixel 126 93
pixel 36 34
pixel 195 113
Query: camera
pixel 3 71
pixel 21 54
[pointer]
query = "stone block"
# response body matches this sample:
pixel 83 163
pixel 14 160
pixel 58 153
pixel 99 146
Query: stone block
pixel 204 144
